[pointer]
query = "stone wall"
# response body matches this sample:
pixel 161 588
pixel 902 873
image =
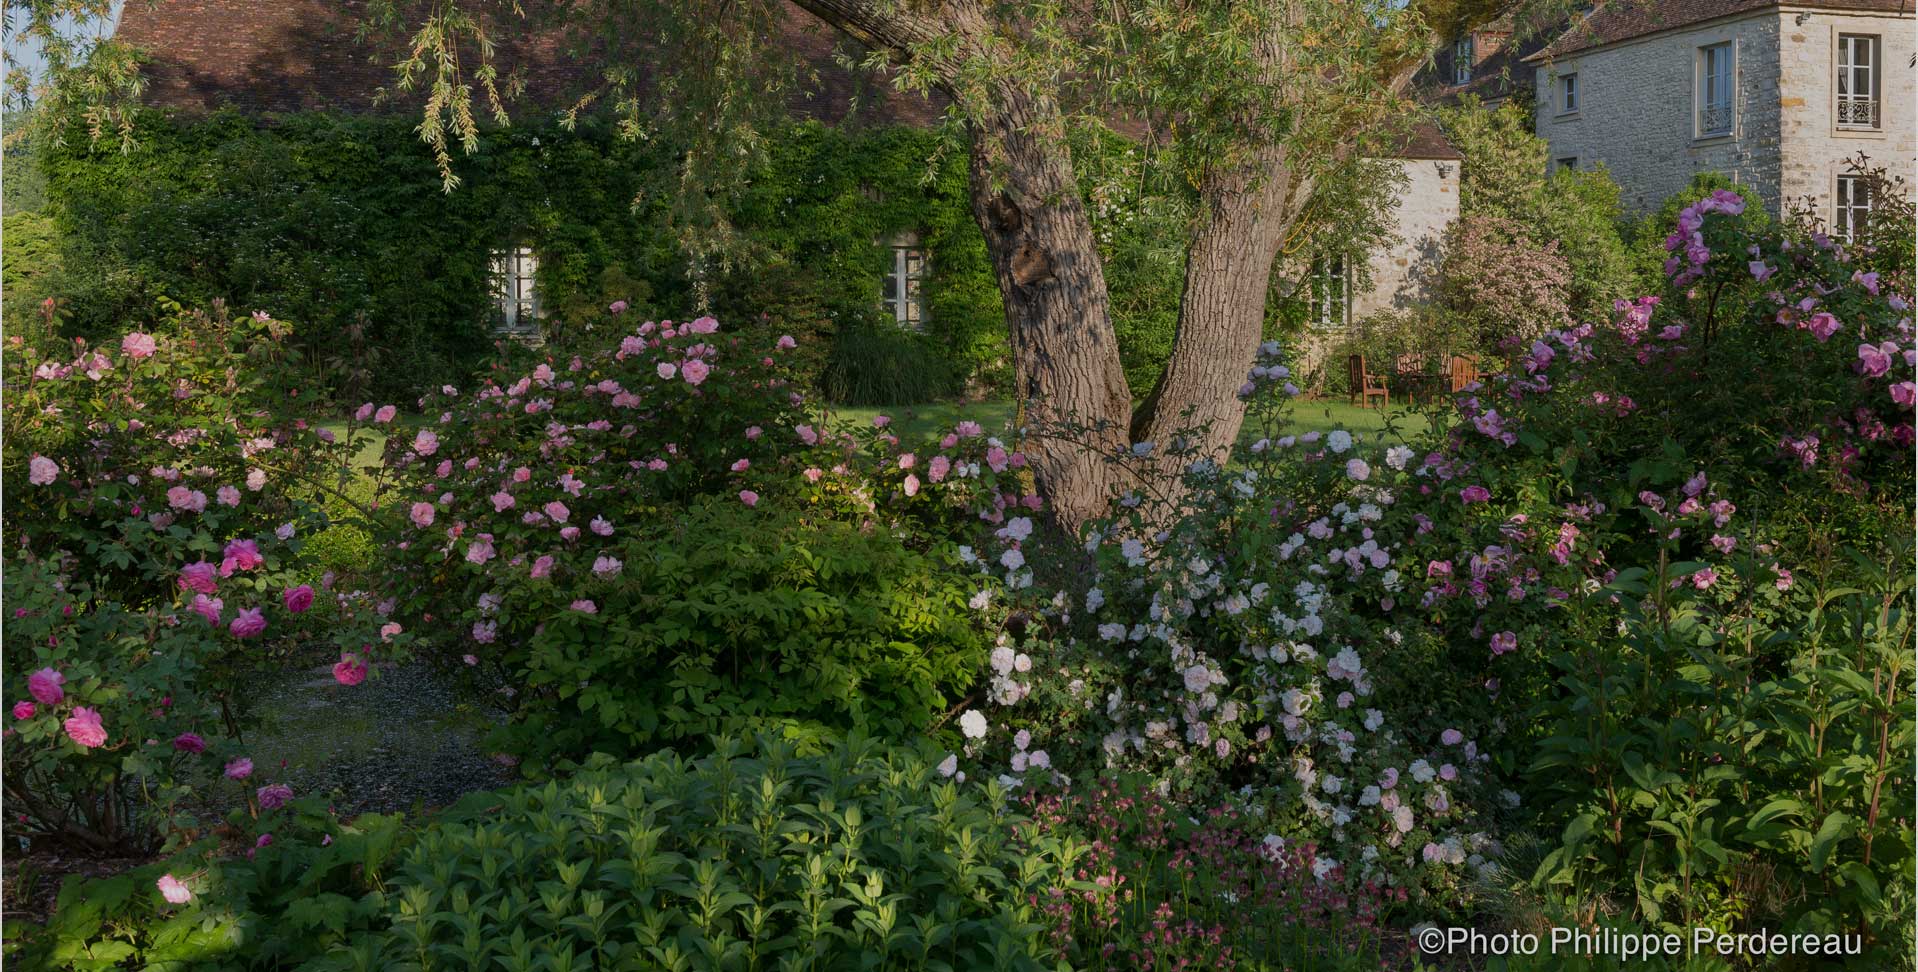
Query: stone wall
pixel 1815 148
pixel 1402 272
pixel 1636 111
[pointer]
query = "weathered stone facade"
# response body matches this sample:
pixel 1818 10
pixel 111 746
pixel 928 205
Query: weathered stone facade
pixel 1402 273
pixel 1637 107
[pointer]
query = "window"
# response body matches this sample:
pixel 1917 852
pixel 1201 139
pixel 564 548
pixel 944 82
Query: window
pixel 1857 81
pixel 1462 60
pixel 1567 93
pixel 1714 90
pixel 1568 162
pixel 1854 206
pixel 905 284
pixel 513 272
pixel 1331 294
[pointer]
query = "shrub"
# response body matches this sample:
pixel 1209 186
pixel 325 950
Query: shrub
pixel 884 364
pixel 1258 642
pixel 161 518
pixel 751 855
pixel 314 883
pixel 1720 762
pixel 723 618
pixel 1497 284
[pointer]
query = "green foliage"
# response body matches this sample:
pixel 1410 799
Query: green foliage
pixel 1647 236
pixel 881 363
pixel 752 857
pixel 1732 758
pixel 337 221
pixel 316 884
pixel 727 617
pixel 1505 176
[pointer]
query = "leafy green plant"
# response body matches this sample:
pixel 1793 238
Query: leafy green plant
pixel 752 857
pixel 879 363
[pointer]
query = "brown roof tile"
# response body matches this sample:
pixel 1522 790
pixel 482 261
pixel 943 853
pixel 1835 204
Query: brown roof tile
pixel 1612 21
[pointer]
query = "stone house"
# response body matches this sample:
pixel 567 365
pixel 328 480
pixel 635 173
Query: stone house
pixel 1776 96
pixel 275 57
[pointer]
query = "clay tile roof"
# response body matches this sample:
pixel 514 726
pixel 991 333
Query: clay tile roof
pixel 1612 21
pixel 1422 140
pixel 282 56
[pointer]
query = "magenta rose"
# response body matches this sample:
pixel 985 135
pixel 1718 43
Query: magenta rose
pixel 249 623
pixel 189 742
pixel 202 577
pixel 298 599
pixel 349 671
pixel 45 686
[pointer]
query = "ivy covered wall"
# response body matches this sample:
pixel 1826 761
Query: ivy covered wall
pixel 328 220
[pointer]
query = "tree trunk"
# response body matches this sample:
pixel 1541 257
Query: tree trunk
pixel 1228 275
pixel 1065 356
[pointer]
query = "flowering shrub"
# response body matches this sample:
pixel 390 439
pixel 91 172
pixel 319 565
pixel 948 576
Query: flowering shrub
pixel 1497 283
pixel 160 517
pixel 650 542
pixel 1260 645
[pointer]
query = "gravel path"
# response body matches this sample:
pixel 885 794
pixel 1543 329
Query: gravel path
pixel 403 741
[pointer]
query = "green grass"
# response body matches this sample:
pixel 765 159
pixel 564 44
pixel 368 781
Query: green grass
pixel 917 422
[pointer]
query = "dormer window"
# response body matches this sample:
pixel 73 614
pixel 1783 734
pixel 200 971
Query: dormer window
pixel 516 301
pixel 1462 60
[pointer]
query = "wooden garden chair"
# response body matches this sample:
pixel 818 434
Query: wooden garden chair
pixel 1365 385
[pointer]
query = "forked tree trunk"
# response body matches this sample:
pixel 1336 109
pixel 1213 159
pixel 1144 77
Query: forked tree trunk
pixel 1065 356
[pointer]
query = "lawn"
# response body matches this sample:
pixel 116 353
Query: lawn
pixel 920 421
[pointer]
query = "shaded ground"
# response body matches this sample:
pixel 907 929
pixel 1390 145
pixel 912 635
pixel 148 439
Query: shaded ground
pixel 403 741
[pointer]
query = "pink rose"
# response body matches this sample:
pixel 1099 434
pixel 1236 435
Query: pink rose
pixel 274 796
pixel 298 599
pixel 172 890
pixel 23 710
pixel 45 686
pixel 558 511
pixel 1474 494
pixel 41 471
pixel 249 623
pixel 385 414
pixel 349 671
pixel 749 497
pixel 695 371
pixel 83 727
pixel 137 345
pixel 543 567
pixel 240 555
pixel 202 577
pixel 189 742
pixel 239 769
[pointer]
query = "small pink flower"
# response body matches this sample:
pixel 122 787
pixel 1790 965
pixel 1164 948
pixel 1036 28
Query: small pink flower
pixel 228 496
pixel 172 890
pixel 385 414
pixel 45 686
pixel 616 307
pixel 1503 642
pixel 695 371
pixel 249 623
pixel 937 469
pixel 585 606
pixel 558 511
pixel 349 670
pixel 23 709
pixel 786 342
pixel 742 465
pixel 1474 494
pixel 426 443
pixel 543 567
pixel 189 742
pixel 138 345
pixel 666 370
pixel 912 485
pixel 83 727
pixel 749 497
pixel 202 577
pixel 502 501
pixel 41 471
pixel 422 514
pixel 239 769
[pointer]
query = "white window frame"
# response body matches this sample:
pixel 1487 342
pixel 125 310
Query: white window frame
pixel 1568 93
pixel 1715 90
pixel 516 290
pixel 1856 88
pixel 1851 204
pixel 1330 294
pixel 904 293
pixel 1462 53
